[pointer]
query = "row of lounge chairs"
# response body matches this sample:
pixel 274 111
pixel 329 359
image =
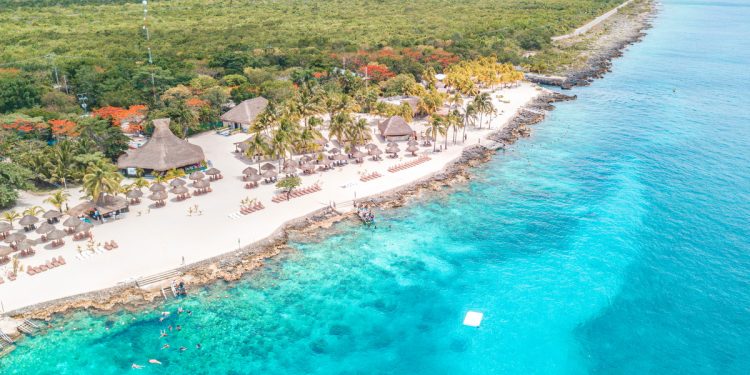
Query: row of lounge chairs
pixel 402 166
pixel 246 210
pixel 251 185
pixel 111 245
pixel 203 191
pixel 370 176
pixel 296 193
pixel 50 264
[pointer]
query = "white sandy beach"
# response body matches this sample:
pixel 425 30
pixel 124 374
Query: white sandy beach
pixel 156 240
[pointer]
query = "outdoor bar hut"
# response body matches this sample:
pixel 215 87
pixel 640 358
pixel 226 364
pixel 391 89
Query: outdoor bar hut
pixel 395 128
pixel 164 151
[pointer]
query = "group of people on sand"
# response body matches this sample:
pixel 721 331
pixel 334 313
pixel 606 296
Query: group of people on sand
pixel 165 333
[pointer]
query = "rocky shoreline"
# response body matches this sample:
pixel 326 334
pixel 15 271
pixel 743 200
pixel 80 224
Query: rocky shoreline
pixel 233 265
pixel 608 42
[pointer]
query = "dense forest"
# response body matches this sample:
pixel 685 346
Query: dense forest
pixel 63 60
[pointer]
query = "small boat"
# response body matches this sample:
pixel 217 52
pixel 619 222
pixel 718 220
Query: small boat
pixel 366 215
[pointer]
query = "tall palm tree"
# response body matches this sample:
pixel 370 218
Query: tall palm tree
pixel 454 121
pixel 307 102
pixel 33 211
pixel 58 199
pixel 359 132
pixel 339 125
pixel 257 147
pixel 469 113
pixel 11 216
pixel 140 182
pixel 436 127
pixel 483 104
pixel 100 180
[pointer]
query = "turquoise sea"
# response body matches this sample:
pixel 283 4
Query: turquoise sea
pixel 615 240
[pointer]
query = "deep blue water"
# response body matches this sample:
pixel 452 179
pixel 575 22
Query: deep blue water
pixel 614 240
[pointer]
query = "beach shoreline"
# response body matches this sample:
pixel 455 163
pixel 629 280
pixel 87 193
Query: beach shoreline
pixel 233 265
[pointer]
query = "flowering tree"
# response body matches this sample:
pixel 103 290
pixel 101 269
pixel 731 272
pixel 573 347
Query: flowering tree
pixel 376 72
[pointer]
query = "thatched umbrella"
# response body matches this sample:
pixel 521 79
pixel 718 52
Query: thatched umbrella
pixel 334 151
pixel 289 169
pixel 413 149
pixel 177 182
pixel 159 196
pixel 15 237
pixel 197 175
pixel 308 167
pixel 391 144
pixel 249 171
pixel 52 215
pixel 179 190
pixel 28 221
pixel 371 146
pixel 305 159
pixel 358 155
pixel 134 195
pixel 375 152
pixel 5 227
pixel 45 228
pixel 71 222
pixel 56 234
pixel 269 174
pixel 24 245
pixel 5 251
pixel 291 162
pixel 413 142
pixel 85 227
pixel 326 162
pixel 340 157
pixel 213 173
pixel 157 187
pixel 392 150
pixel 201 184
pixel 254 177
pixel 267 167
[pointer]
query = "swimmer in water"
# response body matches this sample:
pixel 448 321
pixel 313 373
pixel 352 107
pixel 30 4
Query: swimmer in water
pixel 182 348
pixel 166 346
pixel 198 346
pixel 179 327
pixel 154 361
pixel 163 333
pixel 136 366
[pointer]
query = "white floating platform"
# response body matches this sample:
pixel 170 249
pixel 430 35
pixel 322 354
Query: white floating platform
pixel 473 319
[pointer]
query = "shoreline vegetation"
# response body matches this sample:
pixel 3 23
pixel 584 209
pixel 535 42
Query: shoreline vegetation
pixel 603 44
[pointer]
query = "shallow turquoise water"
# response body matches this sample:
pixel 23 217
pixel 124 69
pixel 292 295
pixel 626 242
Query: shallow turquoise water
pixel 615 240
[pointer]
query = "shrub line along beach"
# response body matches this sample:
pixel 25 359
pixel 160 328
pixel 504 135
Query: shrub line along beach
pixel 214 240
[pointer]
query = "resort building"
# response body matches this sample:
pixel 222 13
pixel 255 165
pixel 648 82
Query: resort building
pixel 395 128
pixel 412 101
pixel 162 152
pixel 242 115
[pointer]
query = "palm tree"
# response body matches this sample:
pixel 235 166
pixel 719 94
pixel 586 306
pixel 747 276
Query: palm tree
pixel 140 182
pixel 11 216
pixel 100 180
pixel 454 121
pixel 436 127
pixel 360 132
pixel 307 102
pixel 339 125
pixel 58 199
pixel 483 104
pixel 257 147
pixel 469 113
pixel 174 173
pixel 33 211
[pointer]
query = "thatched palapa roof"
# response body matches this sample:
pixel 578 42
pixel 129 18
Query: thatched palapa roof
pixel 395 126
pixel 164 151
pixel 246 112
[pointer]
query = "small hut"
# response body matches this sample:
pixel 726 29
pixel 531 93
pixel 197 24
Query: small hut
pixel 244 114
pixel 164 151
pixel 395 128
